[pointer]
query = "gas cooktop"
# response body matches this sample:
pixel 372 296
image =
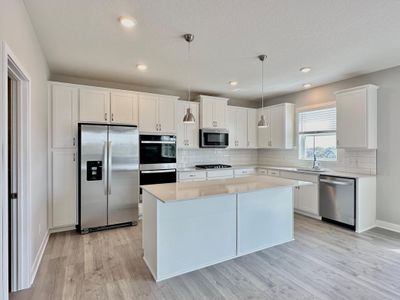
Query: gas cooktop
pixel 215 166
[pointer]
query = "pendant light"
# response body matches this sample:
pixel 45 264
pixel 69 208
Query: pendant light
pixel 262 123
pixel 189 117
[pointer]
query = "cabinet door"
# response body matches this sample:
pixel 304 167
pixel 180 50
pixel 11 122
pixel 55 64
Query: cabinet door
pixel 192 130
pixel 124 108
pixel 219 113
pixel 308 199
pixel 181 135
pixel 64 192
pixel 351 119
pixel 64 107
pixel 231 126
pixel 148 113
pixel 264 134
pixel 207 111
pixel 94 105
pixel 296 192
pixel 241 127
pixel 252 128
pixel 277 116
pixel 166 115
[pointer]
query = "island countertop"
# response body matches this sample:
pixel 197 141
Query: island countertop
pixel 178 191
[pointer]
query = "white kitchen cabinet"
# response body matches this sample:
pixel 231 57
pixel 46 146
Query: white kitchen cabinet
pixel 356 117
pixel 219 174
pixel 280 131
pixel 237 126
pixel 243 172
pixel 185 176
pixel 187 135
pixel 64 115
pixel 124 108
pixel 213 112
pixel 94 105
pixel 64 188
pixel 252 128
pixel 157 113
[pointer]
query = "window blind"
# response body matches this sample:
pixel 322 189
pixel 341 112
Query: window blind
pixel 317 121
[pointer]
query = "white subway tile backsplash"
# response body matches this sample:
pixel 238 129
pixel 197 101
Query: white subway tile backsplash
pixel 353 161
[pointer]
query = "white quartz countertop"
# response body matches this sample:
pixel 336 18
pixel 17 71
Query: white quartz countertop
pixel 170 192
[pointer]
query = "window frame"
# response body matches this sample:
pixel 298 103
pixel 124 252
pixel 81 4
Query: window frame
pixel 299 143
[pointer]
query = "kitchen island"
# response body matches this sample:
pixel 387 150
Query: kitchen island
pixel 191 225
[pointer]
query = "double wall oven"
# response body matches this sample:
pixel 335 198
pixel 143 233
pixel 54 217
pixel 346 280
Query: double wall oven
pixel 157 159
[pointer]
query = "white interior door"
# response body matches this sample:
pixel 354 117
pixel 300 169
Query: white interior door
pixel 148 121
pixel 124 108
pixel 94 105
pixel 166 115
pixel 64 102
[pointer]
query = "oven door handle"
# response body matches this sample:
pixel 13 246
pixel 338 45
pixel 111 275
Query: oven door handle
pixel 158 171
pixel 158 142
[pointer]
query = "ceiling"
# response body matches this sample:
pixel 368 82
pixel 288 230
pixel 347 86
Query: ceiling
pixel 338 39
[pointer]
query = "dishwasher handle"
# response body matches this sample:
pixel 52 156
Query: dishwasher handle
pixel 336 182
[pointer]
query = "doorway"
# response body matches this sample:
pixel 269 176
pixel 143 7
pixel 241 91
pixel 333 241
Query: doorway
pixel 15 231
pixel 12 178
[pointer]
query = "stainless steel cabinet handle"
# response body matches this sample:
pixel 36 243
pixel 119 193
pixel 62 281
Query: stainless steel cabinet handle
pixel 105 116
pixel 335 182
pixel 73 141
pixel 73 157
pixel 158 171
pixel 112 117
pixel 109 167
pixel 160 127
pixel 105 167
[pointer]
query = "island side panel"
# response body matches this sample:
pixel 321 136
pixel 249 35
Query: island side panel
pixel 193 234
pixel 265 219
pixel 149 231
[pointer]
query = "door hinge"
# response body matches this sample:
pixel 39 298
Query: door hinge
pixel 13 196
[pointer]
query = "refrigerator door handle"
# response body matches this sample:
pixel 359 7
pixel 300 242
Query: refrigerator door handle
pixel 109 166
pixel 105 169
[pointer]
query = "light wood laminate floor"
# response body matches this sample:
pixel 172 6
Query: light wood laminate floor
pixel 324 262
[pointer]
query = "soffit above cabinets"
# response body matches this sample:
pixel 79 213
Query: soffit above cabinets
pixel 337 39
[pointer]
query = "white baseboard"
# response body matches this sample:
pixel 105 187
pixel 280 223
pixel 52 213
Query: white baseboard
pixel 61 229
pixel 38 257
pixel 388 226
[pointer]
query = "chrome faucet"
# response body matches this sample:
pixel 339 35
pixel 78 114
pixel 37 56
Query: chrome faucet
pixel 315 164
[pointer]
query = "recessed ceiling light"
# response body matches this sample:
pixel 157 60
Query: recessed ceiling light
pixel 127 22
pixel 305 69
pixel 141 67
pixel 233 83
pixel 307 85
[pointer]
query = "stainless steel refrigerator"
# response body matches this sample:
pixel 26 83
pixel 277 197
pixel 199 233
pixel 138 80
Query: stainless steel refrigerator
pixel 108 176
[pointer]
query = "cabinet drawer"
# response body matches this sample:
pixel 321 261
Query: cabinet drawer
pixel 244 172
pixel 299 176
pixel 273 173
pixel 187 176
pixel 262 171
pixel 220 174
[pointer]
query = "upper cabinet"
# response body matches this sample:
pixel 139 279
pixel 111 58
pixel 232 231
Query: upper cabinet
pixel 94 105
pixel 237 126
pixel 213 112
pixel 187 135
pixel 356 117
pixel 64 115
pixel 157 113
pixel 124 107
pixel 280 131
pixel 252 128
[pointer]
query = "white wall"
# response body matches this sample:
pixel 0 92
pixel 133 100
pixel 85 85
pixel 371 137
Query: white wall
pixel 17 31
pixel 388 158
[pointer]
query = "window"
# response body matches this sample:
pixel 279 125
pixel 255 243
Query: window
pixel 317 134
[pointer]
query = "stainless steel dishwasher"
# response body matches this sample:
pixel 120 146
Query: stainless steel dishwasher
pixel 337 200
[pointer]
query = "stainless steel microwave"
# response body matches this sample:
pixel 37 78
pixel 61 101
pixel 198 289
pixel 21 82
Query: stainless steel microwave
pixel 214 138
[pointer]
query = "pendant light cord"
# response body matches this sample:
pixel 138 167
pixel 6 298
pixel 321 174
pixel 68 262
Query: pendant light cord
pixel 189 76
pixel 262 85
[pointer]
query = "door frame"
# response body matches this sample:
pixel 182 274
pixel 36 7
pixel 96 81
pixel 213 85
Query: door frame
pixel 10 64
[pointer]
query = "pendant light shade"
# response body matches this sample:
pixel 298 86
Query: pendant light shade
pixel 262 123
pixel 189 117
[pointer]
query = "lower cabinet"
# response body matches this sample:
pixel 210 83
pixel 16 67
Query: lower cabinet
pixel 64 188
